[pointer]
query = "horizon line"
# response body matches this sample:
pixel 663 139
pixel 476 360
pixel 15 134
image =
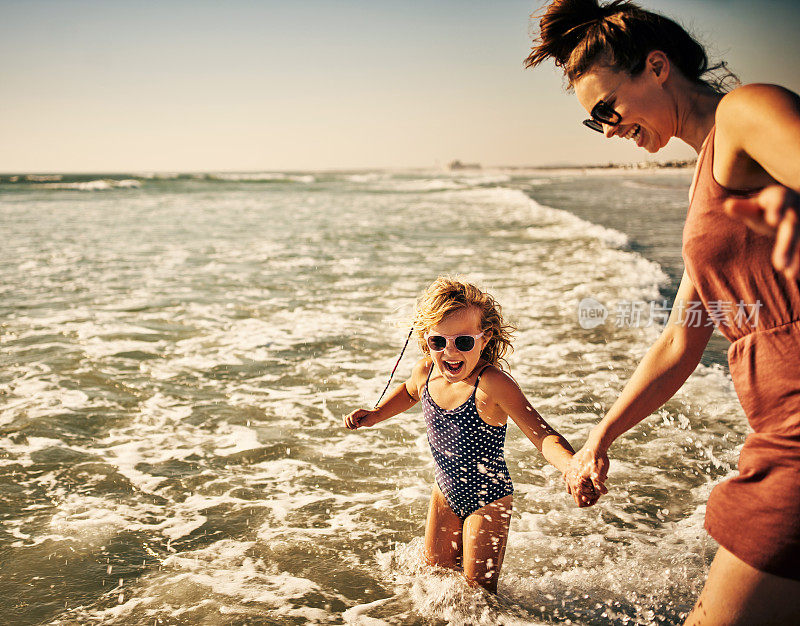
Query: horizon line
pixel 466 167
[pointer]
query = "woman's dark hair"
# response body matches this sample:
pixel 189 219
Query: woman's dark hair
pixel 577 34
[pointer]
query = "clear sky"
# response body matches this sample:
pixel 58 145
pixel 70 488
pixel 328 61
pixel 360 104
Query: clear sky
pixel 191 85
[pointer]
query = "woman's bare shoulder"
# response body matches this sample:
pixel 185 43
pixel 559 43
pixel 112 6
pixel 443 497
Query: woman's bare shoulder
pixel 754 104
pixel 758 137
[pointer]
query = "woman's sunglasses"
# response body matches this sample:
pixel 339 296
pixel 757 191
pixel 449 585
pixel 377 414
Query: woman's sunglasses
pixel 462 343
pixel 602 113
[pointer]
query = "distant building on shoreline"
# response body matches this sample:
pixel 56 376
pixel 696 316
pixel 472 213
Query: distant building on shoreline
pixel 458 165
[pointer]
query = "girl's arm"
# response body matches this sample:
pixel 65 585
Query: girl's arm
pixel 509 397
pixel 664 369
pixel 762 123
pixel 401 399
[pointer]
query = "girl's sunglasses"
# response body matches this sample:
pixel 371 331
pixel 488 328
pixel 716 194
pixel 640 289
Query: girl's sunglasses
pixel 462 343
pixel 602 113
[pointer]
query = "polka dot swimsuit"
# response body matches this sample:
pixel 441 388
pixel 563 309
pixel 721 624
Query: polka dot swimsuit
pixel 467 452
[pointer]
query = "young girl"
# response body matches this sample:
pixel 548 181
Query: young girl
pixel 466 400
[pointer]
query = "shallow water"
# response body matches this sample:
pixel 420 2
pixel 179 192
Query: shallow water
pixel 177 354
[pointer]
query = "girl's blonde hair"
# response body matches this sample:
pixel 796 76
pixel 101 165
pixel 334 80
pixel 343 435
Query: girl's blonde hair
pixel 448 294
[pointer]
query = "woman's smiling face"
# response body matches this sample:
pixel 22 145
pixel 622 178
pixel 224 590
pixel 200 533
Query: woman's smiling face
pixel 453 364
pixel 647 113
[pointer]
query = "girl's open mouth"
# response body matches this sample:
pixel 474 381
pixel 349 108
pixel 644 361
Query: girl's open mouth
pixel 453 367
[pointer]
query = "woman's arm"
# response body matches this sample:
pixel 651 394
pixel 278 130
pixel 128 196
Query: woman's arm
pixel 761 123
pixel 664 369
pixel 509 397
pixel 401 399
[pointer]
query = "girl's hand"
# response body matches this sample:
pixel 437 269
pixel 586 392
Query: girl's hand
pixel 586 475
pixel 585 494
pixel 357 418
pixel 774 211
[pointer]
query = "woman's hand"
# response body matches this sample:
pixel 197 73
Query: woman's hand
pixel 774 211
pixel 586 475
pixel 358 418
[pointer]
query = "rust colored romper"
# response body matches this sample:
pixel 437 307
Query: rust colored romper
pixel 755 515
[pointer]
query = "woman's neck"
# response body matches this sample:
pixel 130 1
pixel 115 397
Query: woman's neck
pixel 696 106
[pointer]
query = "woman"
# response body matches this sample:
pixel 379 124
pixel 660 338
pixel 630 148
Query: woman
pixel 641 77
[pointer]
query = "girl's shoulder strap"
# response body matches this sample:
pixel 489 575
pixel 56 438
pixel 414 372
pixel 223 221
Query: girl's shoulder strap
pixel 430 371
pixel 478 379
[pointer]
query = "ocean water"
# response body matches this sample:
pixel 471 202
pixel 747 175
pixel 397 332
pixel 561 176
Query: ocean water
pixel 178 352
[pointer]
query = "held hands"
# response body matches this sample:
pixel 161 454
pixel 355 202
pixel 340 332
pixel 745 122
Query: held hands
pixel 586 475
pixel 359 418
pixel 774 211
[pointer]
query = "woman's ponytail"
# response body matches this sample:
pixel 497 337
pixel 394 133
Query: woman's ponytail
pixel 562 27
pixel 577 34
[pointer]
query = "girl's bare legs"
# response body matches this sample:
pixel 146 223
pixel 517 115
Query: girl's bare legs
pixel 485 535
pixel 737 593
pixel 442 533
